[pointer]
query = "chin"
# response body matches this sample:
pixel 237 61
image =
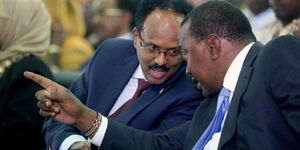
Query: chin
pixel 157 81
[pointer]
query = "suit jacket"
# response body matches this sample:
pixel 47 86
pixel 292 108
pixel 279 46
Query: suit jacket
pixel 159 108
pixel 264 111
pixel 20 122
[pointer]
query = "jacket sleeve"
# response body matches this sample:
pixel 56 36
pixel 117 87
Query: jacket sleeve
pixel 122 137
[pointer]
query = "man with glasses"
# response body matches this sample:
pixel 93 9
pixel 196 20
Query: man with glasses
pixel 120 67
pixel 112 19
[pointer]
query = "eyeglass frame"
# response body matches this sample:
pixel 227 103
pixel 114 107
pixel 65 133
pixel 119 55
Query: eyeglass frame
pixel 157 50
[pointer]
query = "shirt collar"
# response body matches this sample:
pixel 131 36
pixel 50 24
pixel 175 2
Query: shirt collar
pixel 138 74
pixel 232 74
pixel 126 36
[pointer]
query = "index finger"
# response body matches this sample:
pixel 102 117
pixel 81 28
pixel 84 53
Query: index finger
pixel 46 83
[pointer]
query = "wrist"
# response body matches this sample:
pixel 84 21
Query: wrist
pixel 96 124
pixel 86 119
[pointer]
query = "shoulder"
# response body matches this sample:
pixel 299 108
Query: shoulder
pixel 279 58
pixel 283 44
pixel 32 64
pixel 113 50
pixel 15 73
pixel 116 46
pixel 281 49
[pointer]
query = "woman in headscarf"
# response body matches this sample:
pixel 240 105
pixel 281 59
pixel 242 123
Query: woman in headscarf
pixel 24 36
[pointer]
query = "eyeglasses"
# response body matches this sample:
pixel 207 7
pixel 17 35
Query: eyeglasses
pixel 154 50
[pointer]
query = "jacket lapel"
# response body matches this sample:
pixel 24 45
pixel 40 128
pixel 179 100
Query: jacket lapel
pixel 120 77
pixel 201 120
pixel 242 84
pixel 149 96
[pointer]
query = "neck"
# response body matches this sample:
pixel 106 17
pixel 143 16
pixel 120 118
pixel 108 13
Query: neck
pixel 124 31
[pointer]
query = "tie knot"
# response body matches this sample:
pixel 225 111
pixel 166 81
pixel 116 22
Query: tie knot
pixel 224 92
pixel 142 85
pixel 223 97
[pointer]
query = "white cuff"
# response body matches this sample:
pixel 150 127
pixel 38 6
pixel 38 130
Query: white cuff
pixel 66 144
pixel 98 138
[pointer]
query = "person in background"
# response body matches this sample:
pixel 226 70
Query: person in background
pixel 140 83
pixel 261 17
pixel 252 91
pixel 24 39
pixel 68 50
pixel 110 19
pixel 288 21
pixel 113 19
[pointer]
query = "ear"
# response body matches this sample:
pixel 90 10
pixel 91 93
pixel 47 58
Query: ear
pixel 213 42
pixel 135 37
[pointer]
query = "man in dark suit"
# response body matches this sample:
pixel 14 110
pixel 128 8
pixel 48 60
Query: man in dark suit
pixel 112 76
pixel 257 108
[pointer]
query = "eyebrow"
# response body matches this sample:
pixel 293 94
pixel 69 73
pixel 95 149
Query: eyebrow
pixel 150 43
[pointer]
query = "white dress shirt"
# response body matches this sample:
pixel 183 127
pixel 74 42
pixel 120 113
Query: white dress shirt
pixel 230 81
pixel 126 94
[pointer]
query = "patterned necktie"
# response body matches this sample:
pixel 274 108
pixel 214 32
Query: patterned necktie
pixel 215 124
pixel 142 85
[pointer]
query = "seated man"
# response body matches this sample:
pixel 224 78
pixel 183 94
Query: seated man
pixel 115 72
pixel 252 91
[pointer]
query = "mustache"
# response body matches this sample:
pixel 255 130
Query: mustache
pixel 159 68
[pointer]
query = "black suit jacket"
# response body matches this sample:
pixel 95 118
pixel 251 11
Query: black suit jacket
pixel 264 113
pixel 158 109
pixel 20 122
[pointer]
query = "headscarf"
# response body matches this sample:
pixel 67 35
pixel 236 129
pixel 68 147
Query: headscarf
pixel 24 28
pixel 68 14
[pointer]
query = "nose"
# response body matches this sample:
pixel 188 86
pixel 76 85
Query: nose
pixel 161 59
pixel 190 75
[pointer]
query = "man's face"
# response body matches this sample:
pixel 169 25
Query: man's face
pixel 107 21
pixel 159 34
pixel 199 65
pixel 286 10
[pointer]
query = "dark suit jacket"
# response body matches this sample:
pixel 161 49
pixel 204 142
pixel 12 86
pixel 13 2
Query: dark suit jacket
pixel 161 107
pixel 264 113
pixel 20 122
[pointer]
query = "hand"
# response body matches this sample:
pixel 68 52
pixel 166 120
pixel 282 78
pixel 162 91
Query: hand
pixel 55 101
pixel 84 145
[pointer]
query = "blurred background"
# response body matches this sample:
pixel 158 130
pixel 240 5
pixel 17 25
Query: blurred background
pixel 79 26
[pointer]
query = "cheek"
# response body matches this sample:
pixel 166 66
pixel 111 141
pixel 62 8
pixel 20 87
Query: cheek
pixel 144 60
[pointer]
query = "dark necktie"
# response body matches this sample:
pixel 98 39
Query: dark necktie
pixel 215 124
pixel 142 85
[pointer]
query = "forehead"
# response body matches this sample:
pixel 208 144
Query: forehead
pixel 184 37
pixel 162 23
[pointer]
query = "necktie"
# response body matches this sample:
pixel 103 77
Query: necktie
pixel 142 85
pixel 215 124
